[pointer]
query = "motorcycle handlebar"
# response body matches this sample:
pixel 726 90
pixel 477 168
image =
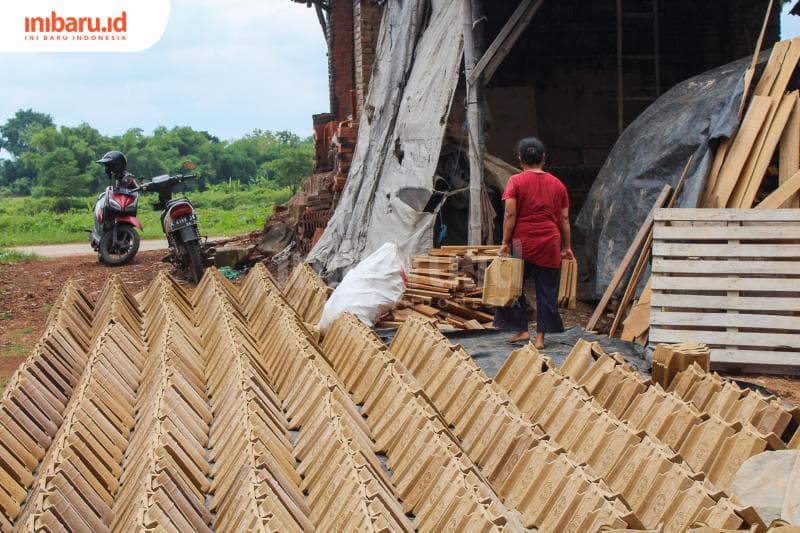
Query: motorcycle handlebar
pixel 180 177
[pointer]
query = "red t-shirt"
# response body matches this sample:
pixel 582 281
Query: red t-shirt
pixel 540 198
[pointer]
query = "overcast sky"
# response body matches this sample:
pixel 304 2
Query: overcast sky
pixel 222 66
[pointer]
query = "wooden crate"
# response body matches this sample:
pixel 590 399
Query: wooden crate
pixel 729 278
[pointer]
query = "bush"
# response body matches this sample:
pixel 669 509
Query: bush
pixel 65 205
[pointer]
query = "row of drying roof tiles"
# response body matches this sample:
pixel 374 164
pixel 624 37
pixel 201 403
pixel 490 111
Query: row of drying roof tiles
pixel 171 412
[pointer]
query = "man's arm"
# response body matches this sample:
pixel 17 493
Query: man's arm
pixel 566 235
pixel 509 221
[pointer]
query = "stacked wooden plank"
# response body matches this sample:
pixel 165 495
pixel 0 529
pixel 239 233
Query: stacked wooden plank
pixel 771 121
pixel 655 486
pixel 177 413
pixel 446 286
pixel 729 278
pixel 641 440
pixel 491 437
pixel 767 415
pixel 307 293
pixel 671 359
pixel 568 285
pixel 763 154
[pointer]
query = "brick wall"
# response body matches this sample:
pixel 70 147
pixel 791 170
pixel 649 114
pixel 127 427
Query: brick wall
pixel 341 58
pixel 367 23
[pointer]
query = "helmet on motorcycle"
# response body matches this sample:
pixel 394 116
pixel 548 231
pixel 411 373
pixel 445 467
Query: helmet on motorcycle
pixel 115 162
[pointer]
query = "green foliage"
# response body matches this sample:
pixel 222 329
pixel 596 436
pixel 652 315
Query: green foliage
pixel 50 160
pixel 8 257
pixel 47 220
pixel 15 134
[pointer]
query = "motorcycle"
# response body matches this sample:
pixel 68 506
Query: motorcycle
pixel 179 222
pixel 113 235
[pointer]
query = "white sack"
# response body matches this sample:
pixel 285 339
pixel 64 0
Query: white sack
pixel 370 289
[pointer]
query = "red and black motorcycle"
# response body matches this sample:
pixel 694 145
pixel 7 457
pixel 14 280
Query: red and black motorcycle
pixel 114 235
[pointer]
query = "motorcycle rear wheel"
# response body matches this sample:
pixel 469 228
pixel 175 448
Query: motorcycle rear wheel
pixel 195 261
pixel 123 252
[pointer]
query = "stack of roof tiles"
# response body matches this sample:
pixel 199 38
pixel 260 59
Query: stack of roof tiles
pixel 220 411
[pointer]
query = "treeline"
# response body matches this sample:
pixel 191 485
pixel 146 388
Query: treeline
pixel 50 160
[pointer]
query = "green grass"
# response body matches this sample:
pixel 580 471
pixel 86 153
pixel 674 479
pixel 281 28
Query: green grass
pixel 30 221
pixel 22 332
pixel 8 257
pixel 6 315
pixel 13 350
pixel 3 382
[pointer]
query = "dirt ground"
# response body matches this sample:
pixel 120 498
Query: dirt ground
pixel 27 291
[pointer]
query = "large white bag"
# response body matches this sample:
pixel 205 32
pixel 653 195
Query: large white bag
pixel 370 289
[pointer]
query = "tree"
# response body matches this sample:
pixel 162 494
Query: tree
pixel 294 164
pixel 60 160
pixel 15 134
pixel 58 173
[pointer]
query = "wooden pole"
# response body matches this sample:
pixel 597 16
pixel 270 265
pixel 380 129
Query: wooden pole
pixel 474 105
pixel 505 40
pixel 638 240
pixel 644 257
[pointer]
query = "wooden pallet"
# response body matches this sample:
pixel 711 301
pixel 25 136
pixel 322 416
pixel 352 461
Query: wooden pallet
pixel 729 278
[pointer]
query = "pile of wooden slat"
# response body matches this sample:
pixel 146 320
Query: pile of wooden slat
pixel 671 359
pixel 568 286
pixel 446 286
pixel 729 278
pixel 771 121
pixel 741 176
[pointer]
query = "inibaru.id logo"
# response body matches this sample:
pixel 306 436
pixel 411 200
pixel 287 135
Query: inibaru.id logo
pixel 81 25
pixel 58 24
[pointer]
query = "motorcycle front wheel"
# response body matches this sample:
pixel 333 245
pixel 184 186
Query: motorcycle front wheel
pixel 119 251
pixel 195 261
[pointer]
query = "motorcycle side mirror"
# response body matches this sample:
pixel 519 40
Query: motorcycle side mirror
pixel 188 165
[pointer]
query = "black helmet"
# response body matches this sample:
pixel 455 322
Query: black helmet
pixel 115 162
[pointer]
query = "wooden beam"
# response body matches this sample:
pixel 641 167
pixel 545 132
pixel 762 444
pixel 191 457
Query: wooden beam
pixel 790 152
pixel 626 260
pixel 753 173
pixel 504 41
pixel 474 113
pixel 740 149
pixel 644 256
pixel 784 192
pixel 748 75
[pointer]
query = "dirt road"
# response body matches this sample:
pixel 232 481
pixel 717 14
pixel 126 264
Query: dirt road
pixel 82 248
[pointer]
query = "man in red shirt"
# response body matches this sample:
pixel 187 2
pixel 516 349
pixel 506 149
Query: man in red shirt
pixel 536 227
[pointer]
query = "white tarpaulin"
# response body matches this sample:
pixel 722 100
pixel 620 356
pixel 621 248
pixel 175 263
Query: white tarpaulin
pixel 417 65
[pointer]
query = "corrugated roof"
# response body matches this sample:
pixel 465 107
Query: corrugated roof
pixel 220 411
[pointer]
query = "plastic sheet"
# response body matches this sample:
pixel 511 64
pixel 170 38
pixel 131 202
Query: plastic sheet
pixel 689 119
pixel 400 137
